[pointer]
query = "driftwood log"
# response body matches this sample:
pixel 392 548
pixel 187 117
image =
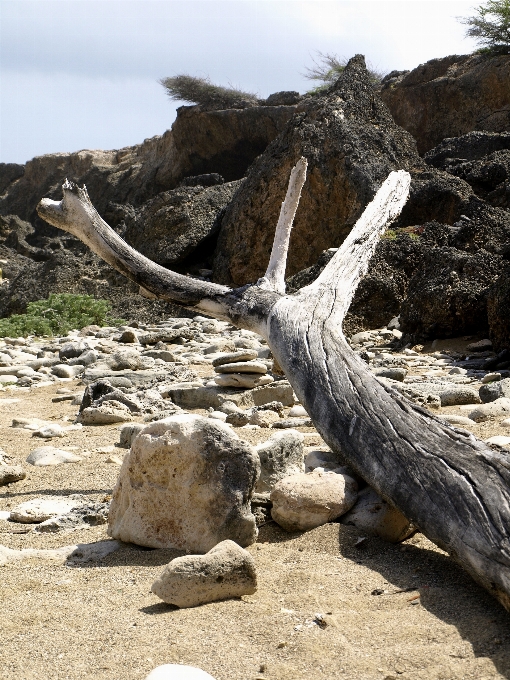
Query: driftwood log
pixel 455 488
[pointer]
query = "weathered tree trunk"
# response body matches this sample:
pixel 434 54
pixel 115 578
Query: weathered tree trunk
pixel 454 487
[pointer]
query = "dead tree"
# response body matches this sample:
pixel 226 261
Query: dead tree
pixel 455 488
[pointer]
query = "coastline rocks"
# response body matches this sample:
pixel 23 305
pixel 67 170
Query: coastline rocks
pixel 305 501
pixel 108 413
pixel 245 381
pixel 374 516
pixel 226 571
pixel 458 396
pixel 280 456
pixel 186 483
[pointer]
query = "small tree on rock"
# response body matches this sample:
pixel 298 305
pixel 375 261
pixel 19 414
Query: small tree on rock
pixel 491 26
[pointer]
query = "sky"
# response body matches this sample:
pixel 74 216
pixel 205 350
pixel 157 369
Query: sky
pixel 84 74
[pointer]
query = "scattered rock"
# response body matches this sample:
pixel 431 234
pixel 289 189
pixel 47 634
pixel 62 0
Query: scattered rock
pixel 87 514
pixel 245 381
pixel 498 440
pixel 458 396
pixel 496 409
pixel 280 456
pixel 11 473
pixel 374 516
pixel 108 413
pixel 226 571
pixel 306 501
pixel 49 455
pixel 186 483
pixel 128 433
pixel 41 509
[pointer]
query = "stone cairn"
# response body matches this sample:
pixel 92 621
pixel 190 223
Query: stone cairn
pixel 241 369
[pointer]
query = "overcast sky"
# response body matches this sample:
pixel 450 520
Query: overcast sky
pixel 83 74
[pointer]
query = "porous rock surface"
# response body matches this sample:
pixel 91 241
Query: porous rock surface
pixel 450 96
pixel 186 483
pixel 374 516
pixel 226 571
pixel 305 501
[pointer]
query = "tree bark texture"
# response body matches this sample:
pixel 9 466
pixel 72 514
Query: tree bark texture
pixel 453 487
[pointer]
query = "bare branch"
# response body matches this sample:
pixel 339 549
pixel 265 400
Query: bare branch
pixel 274 278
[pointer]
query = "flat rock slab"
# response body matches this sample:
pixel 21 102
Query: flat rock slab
pixel 234 357
pixel 495 409
pixel 226 571
pixel 49 455
pixel 242 367
pixel 81 553
pixel 243 380
pixel 108 413
pixel 186 483
pixel 40 509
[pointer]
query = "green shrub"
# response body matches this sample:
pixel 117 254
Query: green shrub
pixel 201 91
pixel 328 68
pixel 57 315
pixel 490 26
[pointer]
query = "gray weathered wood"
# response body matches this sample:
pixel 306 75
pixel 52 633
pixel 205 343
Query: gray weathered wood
pixel 455 488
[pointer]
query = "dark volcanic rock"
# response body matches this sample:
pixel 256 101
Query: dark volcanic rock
pixel 9 172
pixel 498 308
pixel 480 158
pixel 448 294
pixel 351 143
pixel 172 225
pixel 451 96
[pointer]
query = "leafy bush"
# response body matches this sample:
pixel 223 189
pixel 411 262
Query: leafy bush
pixel 201 91
pixel 493 34
pixel 327 69
pixel 57 315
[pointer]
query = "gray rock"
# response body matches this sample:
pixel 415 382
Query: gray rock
pixel 305 501
pixel 8 379
pixel 242 367
pixel 88 514
pixel 280 456
pixel 41 509
pixel 11 473
pixel 128 336
pixel 234 357
pixel 67 371
pixel 292 422
pixel 108 413
pixel 128 432
pixel 495 409
pixel 459 396
pixel 129 359
pixel 72 349
pixel 49 455
pixel 186 483
pixel 391 373
pixel 374 516
pixel 495 390
pixel 162 354
pixel 463 421
pixel 224 572
pixel 87 358
pixel 245 381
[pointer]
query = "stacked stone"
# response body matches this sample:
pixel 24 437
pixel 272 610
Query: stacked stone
pixel 241 369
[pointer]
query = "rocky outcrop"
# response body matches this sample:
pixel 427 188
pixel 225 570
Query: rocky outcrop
pixel 171 226
pixel 498 306
pixel 225 142
pixel 449 97
pixel 351 143
pixel 480 158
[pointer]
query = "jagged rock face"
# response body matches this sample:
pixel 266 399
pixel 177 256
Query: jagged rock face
pixel 351 143
pixel 498 306
pixel 65 271
pixel 448 295
pixel 480 158
pixel 451 96
pixel 199 142
pixel 172 225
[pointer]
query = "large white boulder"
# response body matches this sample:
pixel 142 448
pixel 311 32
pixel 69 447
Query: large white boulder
pixel 225 571
pixel 186 483
pixel 306 501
